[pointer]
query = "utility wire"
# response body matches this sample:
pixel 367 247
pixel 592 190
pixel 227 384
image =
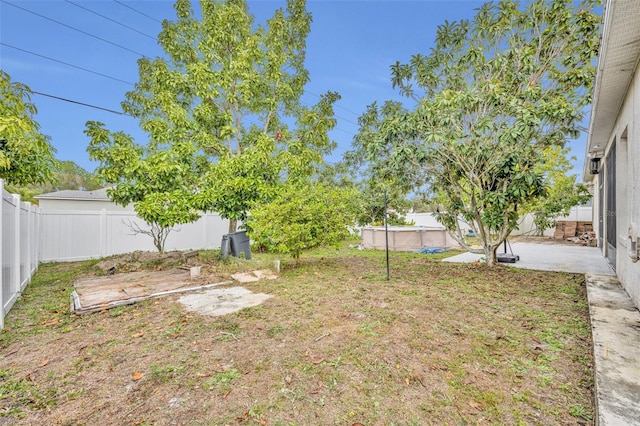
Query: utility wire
pixel 137 11
pixel 114 78
pixel 65 63
pixel 78 103
pixel 130 50
pixel 337 106
pixel 112 20
pixel 75 29
pixel 121 47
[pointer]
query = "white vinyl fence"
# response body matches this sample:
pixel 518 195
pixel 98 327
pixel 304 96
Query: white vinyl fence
pixel 69 235
pixel 19 231
pixel 526 226
pixel 31 235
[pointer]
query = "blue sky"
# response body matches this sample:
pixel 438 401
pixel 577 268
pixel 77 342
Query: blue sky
pixel 349 50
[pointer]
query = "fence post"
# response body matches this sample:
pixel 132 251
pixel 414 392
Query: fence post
pixel 37 247
pixel 16 246
pixel 1 256
pixel 29 243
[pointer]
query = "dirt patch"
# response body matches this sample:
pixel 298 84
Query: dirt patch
pixel 145 260
pixel 253 276
pixel 337 344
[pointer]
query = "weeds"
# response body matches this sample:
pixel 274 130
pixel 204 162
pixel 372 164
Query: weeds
pixel 337 344
pixel 222 381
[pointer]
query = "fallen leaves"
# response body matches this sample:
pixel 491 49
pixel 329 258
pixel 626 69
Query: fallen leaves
pixel 137 376
pixel 50 322
pixel 313 359
pixel 475 405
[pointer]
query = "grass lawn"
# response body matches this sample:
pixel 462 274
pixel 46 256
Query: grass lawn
pixel 337 345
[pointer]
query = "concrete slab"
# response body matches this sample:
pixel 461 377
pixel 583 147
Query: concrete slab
pixel 222 301
pixel 615 324
pixel 545 257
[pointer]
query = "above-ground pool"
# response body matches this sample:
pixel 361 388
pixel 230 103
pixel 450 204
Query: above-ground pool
pixel 407 238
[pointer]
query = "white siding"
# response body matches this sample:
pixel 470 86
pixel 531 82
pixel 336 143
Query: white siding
pixel 628 187
pixel 626 133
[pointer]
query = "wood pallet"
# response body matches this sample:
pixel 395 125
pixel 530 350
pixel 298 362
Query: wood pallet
pixel 568 228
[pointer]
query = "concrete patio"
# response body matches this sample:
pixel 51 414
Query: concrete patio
pixel 550 257
pixel 615 324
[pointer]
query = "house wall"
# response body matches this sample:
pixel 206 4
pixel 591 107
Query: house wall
pixel 626 134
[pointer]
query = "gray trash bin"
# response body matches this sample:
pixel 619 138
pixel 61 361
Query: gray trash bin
pixel 224 246
pixel 240 244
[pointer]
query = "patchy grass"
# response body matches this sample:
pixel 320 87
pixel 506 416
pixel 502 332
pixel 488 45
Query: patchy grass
pixel 337 344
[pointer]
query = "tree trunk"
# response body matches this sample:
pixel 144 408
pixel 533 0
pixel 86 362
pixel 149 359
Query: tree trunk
pixel 490 255
pixel 233 226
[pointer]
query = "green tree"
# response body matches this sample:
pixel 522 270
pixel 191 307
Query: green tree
pixel 375 175
pixel 562 190
pixel 303 216
pixel 372 202
pixel 158 182
pixel 216 110
pixel 422 203
pixel 69 175
pixel 26 156
pixel 65 175
pixel 493 93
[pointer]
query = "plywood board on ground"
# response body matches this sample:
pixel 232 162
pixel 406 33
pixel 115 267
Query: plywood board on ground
pixel 99 293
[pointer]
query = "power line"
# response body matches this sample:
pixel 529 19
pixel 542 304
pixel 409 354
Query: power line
pixel 65 63
pixel 338 106
pixel 75 29
pixel 137 11
pixel 78 103
pixel 344 131
pixel 108 76
pixel 112 20
pixel 121 47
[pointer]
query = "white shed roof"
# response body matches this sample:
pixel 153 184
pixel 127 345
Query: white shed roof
pixel 68 194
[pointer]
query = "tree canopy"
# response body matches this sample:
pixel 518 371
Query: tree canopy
pixel 217 110
pixel 26 156
pixel 65 175
pixel 563 192
pixel 489 98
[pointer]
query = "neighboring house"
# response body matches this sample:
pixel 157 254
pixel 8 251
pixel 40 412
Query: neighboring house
pixel 613 146
pixel 79 200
